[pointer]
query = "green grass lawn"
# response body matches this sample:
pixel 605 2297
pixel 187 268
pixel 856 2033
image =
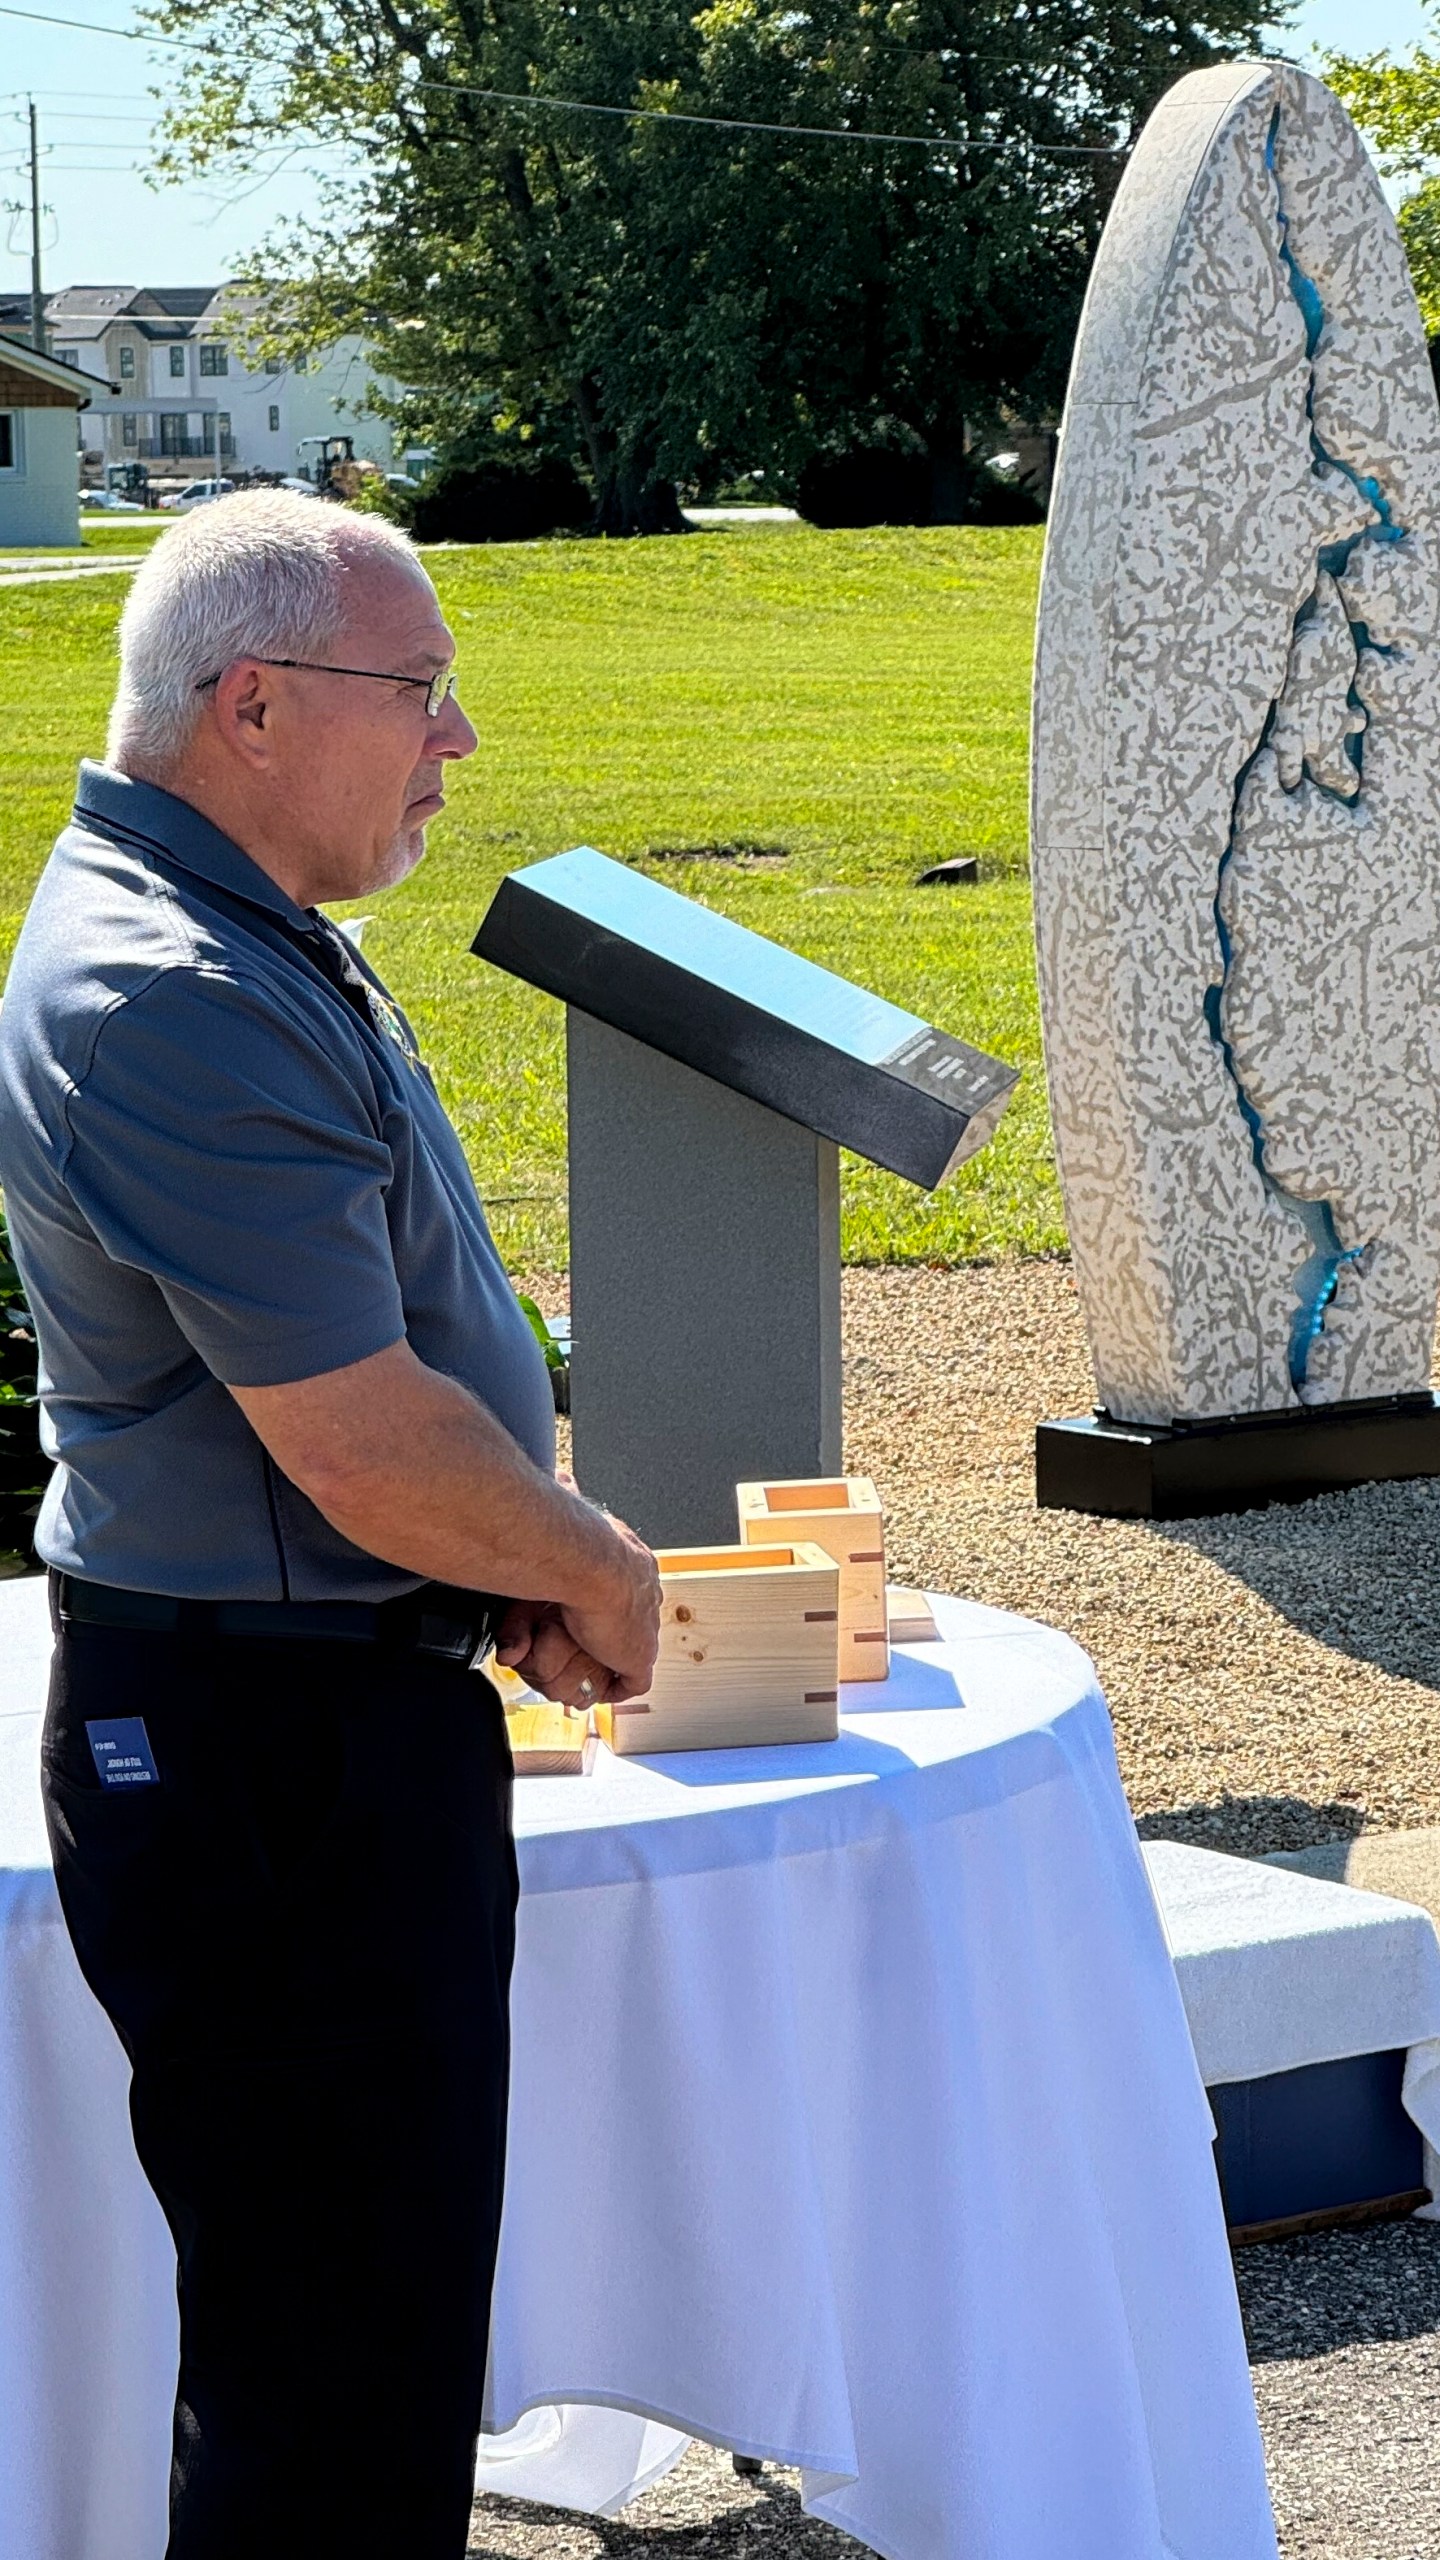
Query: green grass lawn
pixel 787 724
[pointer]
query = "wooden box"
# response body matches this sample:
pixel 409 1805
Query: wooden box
pixel 747 1652
pixel 842 1514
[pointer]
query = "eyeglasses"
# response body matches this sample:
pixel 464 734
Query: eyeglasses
pixel 438 690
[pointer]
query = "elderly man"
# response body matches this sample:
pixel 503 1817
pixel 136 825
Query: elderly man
pixel 304 1473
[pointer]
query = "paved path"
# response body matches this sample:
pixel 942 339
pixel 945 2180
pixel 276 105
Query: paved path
pixel 741 515
pixel 26 573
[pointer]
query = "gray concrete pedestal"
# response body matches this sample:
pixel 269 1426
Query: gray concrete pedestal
pixel 705 1290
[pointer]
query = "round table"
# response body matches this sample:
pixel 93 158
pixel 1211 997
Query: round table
pixel 854 2125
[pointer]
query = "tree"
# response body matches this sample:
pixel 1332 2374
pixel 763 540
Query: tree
pixel 474 244
pixel 683 299
pixel 1398 105
pixel 893 293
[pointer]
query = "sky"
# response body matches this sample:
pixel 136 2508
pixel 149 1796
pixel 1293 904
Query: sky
pixel 104 225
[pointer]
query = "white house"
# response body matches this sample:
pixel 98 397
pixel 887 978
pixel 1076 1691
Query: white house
pixel 39 497
pixel 177 393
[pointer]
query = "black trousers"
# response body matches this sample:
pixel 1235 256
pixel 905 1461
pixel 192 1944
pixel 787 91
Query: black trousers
pixel 303 1934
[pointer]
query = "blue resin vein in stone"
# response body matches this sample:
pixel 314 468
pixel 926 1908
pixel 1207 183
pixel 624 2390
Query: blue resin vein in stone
pixel 1317 1275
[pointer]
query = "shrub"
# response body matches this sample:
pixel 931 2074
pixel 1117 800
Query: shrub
pixel 23 1467
pixel 885 484
pixel 875 484
pixel 502 501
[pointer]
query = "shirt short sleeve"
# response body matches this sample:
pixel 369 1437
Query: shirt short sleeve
pixel 234 1154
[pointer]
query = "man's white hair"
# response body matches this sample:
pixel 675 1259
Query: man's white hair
pixel 261 574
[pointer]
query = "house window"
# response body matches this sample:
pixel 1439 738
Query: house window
pixel 274 419
pixel 127 427
pixel 301 363
pixel 9 441
pixel 177 361
pixel 213 358
pixel 273 365
pixel 69 355
pixel 222 425
pixel 127 364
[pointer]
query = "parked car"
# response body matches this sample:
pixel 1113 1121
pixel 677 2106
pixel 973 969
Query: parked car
pixel 198 493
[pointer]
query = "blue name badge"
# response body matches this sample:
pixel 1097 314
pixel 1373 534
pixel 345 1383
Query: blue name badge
pixel 122 1754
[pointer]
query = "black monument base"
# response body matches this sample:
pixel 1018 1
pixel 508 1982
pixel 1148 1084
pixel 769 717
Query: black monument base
pixel 1182 1470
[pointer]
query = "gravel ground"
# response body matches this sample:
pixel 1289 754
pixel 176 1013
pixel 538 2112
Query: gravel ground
pixel 1274 1677
pixel 699 2511
pixel 1274 1680
pixel 1344 2336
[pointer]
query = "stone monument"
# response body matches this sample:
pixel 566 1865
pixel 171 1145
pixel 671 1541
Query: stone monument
pixel 1236 818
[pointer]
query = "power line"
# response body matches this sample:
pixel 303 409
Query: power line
pixel 75 115
pixel 653 115
pixel 141 97
pixel 88 116
pixel 803 132
pixel 87 27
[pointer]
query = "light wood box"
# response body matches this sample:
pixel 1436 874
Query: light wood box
pixel 842 1514
pixel 546 1743
pixel 747 1652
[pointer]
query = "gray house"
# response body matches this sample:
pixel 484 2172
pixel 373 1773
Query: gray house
pixel 39 492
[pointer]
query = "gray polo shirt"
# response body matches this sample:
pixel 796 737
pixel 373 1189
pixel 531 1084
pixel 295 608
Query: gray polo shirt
pixel 221 1169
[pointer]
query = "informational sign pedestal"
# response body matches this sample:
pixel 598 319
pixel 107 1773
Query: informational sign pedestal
pixel 713 1079
pixel 704 1292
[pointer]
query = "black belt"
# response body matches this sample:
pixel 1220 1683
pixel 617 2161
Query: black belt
pixel 432 1619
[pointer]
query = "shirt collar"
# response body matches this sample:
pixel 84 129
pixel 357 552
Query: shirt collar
pixel 145 813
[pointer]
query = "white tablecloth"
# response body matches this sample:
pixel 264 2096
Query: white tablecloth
pixel 855 2124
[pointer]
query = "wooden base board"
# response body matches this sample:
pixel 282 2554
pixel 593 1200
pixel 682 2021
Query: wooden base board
pixel 546 1743
pixel 912 1620
pixel 1337 2217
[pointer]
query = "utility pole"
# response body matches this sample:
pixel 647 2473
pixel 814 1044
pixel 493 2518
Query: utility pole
pixel 37 297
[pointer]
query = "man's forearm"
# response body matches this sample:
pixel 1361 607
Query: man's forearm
pixel 409 1466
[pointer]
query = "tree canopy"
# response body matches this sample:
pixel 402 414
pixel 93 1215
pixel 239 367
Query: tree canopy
pixel 685 300
pixel 1398 105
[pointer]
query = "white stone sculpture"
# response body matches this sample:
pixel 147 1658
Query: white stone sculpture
pixel 1236 803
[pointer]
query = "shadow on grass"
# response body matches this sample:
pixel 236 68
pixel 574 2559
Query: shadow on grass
pixel 1334 2289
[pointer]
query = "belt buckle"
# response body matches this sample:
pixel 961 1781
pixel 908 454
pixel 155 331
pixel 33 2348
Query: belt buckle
pixel 450 1638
